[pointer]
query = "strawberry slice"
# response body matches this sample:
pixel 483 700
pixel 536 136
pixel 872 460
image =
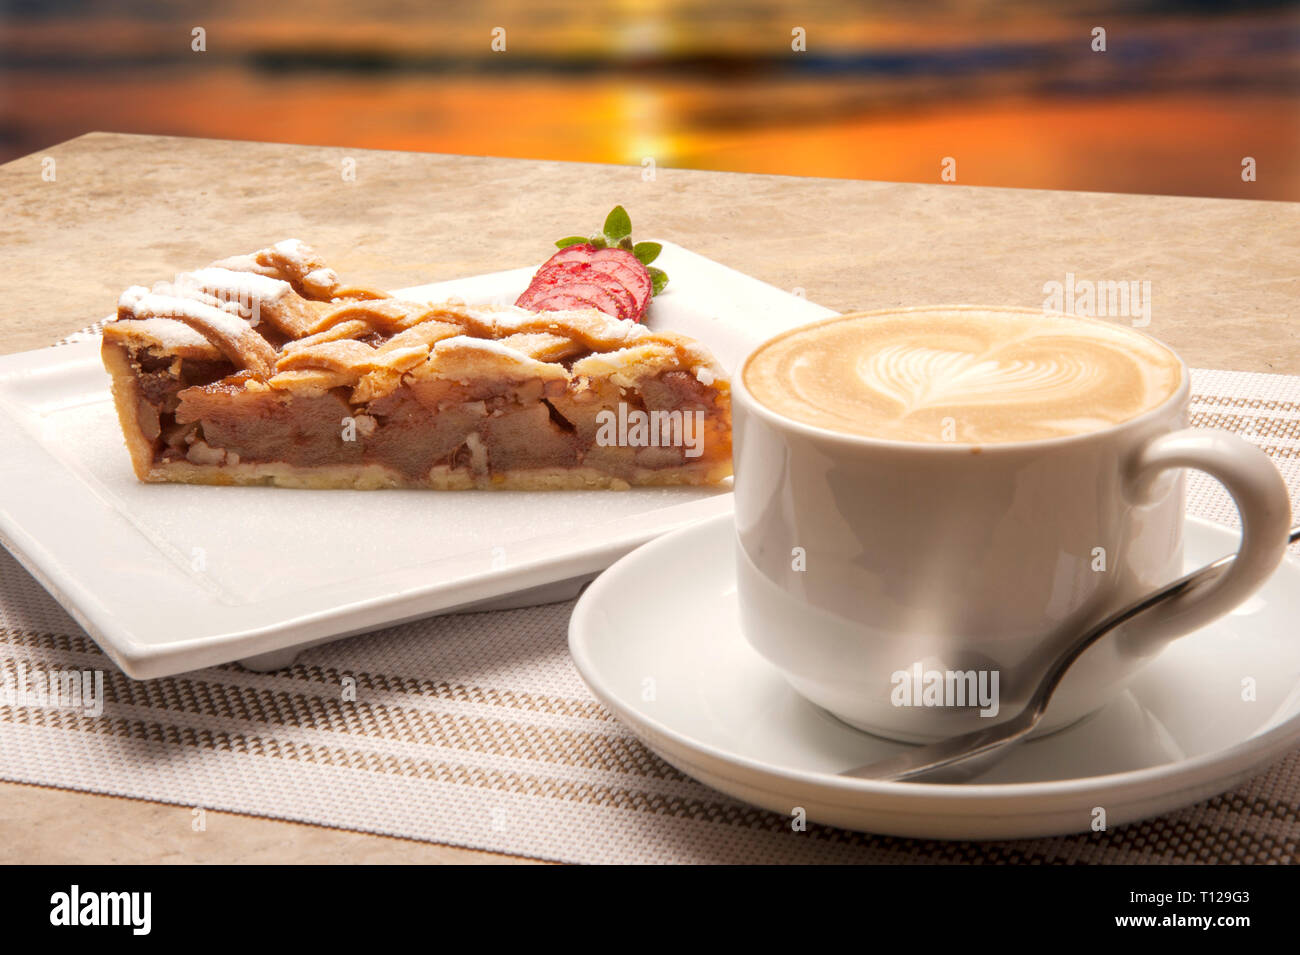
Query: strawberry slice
pixel 629 270
pixel 608 273
pixel 605 297
pixel 622 288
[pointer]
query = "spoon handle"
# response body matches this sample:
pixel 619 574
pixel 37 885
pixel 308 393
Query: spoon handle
pixel 960 757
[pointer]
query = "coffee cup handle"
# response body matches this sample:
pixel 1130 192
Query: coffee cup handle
pixel 1262 502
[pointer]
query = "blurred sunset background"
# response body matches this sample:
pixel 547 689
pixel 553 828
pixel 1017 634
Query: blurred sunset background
pixel 1012 90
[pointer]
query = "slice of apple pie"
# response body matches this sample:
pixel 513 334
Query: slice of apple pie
pixel 266 369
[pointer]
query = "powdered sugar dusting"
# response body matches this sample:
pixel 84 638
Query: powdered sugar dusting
pixel 296 251
pixel 127 300
pixel 167 332
pixel 321 280
pixel 244 286
pixel 501 318
pixel 486 345
pixel 155 305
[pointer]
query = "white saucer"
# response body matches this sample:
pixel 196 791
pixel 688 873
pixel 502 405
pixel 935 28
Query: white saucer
pixel 656 637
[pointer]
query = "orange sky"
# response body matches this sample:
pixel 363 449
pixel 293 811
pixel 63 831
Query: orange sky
pixel 1181 128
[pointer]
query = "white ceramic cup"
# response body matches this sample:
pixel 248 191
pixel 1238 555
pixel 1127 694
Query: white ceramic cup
pixel 862 559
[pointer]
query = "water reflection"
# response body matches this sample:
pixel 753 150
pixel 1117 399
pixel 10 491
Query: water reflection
pixel 1019 95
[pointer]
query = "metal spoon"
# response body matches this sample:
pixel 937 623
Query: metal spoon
pixel 961 757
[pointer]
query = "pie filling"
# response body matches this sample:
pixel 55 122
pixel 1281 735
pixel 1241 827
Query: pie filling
pixel 339 390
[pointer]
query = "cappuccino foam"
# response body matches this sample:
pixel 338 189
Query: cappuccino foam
pixel 973 376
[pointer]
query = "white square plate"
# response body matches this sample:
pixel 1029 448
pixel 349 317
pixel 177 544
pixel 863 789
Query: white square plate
pixel 169 577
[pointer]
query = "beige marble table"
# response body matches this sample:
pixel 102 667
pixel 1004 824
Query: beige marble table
pixel 83 219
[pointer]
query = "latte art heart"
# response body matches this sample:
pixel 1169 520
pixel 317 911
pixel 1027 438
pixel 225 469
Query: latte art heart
pixel 918 377
pixel 967 375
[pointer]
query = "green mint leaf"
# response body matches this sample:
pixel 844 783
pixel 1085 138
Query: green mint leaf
pixel 599 242
pixel 571 240
pixel 659 278
pixel 647 252
pixel 618 224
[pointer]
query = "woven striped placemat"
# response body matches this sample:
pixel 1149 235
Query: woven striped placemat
pixel 475 730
